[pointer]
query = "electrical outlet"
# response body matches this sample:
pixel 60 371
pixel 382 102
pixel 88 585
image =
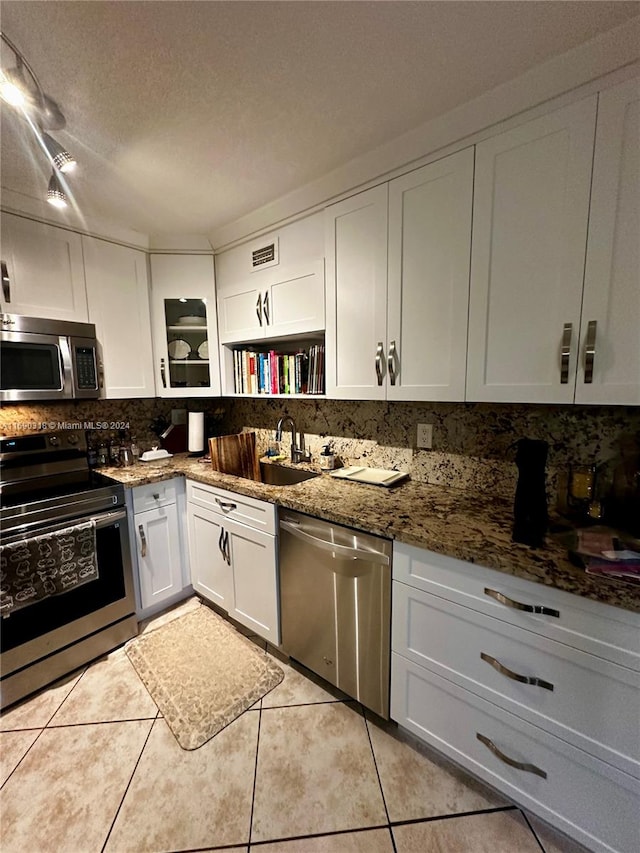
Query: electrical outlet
pixel 425 436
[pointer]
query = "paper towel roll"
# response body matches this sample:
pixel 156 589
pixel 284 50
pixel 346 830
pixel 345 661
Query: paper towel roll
pixel 196 432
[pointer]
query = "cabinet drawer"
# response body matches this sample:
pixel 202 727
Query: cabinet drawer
pixel 584 797
pixel 154 495
pixel 255 513
pixel 609 632
pixel 592 703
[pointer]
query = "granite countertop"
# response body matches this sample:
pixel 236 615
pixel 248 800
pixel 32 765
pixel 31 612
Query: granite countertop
pixel 471 527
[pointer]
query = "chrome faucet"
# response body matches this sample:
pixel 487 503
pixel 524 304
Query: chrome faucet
pixel 298 453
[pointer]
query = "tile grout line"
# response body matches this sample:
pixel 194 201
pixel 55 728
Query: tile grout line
pixel 42 729
pixel 433 818
pixel 126 790
pixel 334 833
pixel 255 775
pixel 535 834
pixel 375 764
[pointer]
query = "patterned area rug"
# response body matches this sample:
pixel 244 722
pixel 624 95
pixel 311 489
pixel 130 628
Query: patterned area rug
pixel 201 673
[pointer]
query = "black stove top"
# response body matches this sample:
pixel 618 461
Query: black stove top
pixel 46 479
pixel 13 495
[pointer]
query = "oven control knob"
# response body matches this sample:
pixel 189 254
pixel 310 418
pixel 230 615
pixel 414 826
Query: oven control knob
pixel 53 440
pixel 72 438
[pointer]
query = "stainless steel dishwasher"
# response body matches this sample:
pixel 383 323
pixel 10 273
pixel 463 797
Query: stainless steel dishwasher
pixel 335 605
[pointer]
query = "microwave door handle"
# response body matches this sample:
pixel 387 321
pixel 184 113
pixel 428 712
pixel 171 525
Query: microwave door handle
pixel 6 282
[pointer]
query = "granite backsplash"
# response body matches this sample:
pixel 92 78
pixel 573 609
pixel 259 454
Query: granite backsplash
pixel 472 442
pixel 136 416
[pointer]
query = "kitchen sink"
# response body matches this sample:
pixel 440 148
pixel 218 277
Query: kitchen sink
pixel 278 475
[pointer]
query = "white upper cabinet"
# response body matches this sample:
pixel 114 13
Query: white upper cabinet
pixel 609 366
pixel 356 267
pixel 274 286
pixel 530 217
pixel 43 273
pixel 287 301
pixel 428 287
pixel 118 298
pixel 183 317
pixel 397 325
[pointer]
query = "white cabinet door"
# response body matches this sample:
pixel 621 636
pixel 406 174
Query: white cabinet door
pixel 159 558
pixel 118 297
pixel 294 301
pixel 611 304
pixel 44 269
pixel 428 288
pixel 356 309
pixel 184 327
pixel 255 585
pixel 211 575
pixel 283 301
pixel 530 215
pixel 240 316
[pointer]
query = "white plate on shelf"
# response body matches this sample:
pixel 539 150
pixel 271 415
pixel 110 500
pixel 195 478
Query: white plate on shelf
pixel 203 350
pixel 179 349
pixel 192 320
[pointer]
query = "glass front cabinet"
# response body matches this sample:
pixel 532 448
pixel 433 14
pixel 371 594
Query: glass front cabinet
pixel 185 336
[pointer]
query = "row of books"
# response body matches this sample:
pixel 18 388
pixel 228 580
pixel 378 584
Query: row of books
pixel 274 372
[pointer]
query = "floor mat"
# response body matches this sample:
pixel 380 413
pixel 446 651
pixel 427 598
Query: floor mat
pixel 201 673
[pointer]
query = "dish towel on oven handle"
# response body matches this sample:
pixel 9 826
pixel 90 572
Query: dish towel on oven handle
pixel 48 564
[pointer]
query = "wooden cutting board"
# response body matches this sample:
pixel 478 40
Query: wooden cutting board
pixel 235 454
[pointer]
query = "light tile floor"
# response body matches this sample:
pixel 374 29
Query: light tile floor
pixel 90 765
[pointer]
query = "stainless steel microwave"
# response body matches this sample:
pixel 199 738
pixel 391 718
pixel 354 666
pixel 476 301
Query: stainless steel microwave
pixel 47 359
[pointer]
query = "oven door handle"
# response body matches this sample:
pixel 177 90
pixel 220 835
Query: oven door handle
pixel 103 519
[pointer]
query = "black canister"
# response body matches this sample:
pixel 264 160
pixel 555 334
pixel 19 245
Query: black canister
pixel 530 515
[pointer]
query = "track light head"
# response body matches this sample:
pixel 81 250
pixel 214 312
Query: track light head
pixel 60 157
pixel 55 193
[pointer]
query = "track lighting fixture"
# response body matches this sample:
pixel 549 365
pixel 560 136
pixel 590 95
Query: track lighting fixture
pixel 20 88
pixel 55 193
pixel 60 157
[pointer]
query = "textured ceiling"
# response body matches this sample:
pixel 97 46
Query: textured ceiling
pixel 186 115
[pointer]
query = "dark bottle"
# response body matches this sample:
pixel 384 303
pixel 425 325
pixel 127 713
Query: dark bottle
pixel 530 516
pixel 92 450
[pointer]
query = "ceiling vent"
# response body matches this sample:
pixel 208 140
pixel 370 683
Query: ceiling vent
pixel 264 255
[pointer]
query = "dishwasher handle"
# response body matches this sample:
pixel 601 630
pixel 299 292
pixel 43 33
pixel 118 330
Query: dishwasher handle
pixel 339 550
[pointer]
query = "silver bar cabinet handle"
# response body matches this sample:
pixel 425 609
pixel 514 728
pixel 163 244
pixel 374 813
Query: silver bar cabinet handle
pixel 590 351
pixel 225 505
pixel 566 353
pixel 143 541
pixel 259 308
pixel 6 282
pixel 391 362
pixel 519 765
pixel 379 357
pixel 523 679
pixel 225 545
pixel 517 605
pixel 266 309
pixel 163 374
pixel 220 541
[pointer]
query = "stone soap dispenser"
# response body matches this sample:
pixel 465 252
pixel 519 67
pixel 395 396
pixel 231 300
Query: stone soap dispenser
pixel 530 515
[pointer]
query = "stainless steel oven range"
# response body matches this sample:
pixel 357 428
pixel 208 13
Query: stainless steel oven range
pixel 51 625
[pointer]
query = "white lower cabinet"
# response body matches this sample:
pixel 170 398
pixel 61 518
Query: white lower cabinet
pixel 588 799
pixel 234 563
pixel 158 549
pixel 533 689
